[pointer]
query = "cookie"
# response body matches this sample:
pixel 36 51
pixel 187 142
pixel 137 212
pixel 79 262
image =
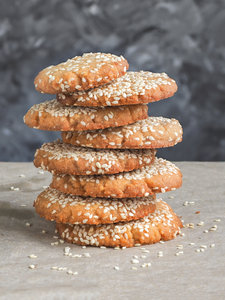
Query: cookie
pixel 58 157
pixel 161 176
pixel 154 132
pixel 163 224
pixel 132 88
pixel 51 115
pixel 81 73
pixel 56 206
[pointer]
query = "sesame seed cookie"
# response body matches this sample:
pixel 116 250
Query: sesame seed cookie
pixel 161 176
pixel 163 224
pixel 56 206
pixel 153 132
pixel 51 115
pixel 81 73
pixel 60 158
pixel 132 88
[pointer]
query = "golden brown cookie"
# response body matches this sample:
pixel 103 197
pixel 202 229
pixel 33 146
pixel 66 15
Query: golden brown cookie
pixel 154 132
pixel 51 115
pixel 132 88
pixel 56 206
pixel 163 224
pixel 161 176
pixel 81 73
pixel 60 158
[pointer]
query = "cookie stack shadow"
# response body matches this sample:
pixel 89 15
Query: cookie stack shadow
pixel 105 172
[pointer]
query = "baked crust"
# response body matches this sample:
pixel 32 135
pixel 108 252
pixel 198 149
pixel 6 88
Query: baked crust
pixel 132 88
pixel 81 73
pixel 153 132
pixel 163 224
pixel 60 158
pixel 56 206
pixel 160 177
pixel 51 115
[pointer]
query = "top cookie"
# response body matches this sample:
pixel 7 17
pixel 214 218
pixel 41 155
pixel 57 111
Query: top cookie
pixel 132 88
pixel 81 73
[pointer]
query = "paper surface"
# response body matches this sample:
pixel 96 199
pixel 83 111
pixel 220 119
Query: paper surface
pixel 191 275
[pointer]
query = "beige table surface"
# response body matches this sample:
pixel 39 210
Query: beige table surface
pixel 190 275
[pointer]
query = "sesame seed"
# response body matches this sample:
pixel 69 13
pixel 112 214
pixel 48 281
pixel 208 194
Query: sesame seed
pixel 32 256
pixel 135 261
pixel 212 245
pixel 200 223
pixel 160 254
pixel 86 255
pixel 31 266
pixel 116 268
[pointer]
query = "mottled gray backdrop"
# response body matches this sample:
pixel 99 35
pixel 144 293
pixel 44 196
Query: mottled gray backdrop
pixel 184 38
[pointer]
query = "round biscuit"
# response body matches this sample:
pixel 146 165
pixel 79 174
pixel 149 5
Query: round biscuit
pixel 51 115
pixel 56 206
pixel 60 158
pixel 81 73
pixel 163 224
pixel 153 132
pixel 159 177
pixel 132 88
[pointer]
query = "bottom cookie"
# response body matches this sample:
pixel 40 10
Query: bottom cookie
pixel 163 224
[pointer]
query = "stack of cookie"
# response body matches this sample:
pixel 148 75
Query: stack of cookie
pixel 105 173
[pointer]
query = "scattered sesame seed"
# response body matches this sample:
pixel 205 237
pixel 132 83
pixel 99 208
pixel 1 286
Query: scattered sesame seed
pixel 84 247
pixel 43 231
pixel 191 244
pixel 134 268
pixel 86 255
pixel 212 245
pixel 32 267
pixel 180 246
pixel 22 175
pixel 146 265
pixel 200 223
pixel 32 256
pixel 160 254
pixel 28 224
pixel 145 251
pixel 135 261
pixel 217 220
pixel 116 268
pixel 197 250
pixel 41 172
pixel 205 231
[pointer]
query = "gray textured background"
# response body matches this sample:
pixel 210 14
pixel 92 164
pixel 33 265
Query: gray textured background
pixel 184 38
